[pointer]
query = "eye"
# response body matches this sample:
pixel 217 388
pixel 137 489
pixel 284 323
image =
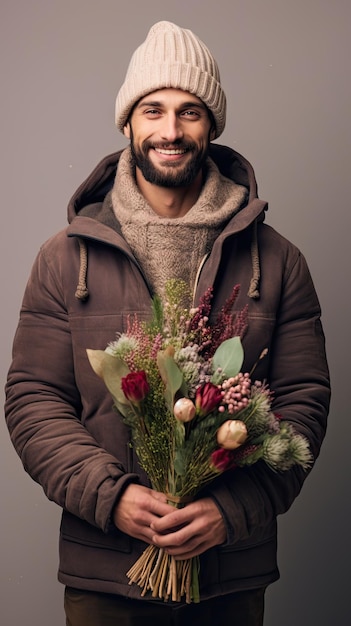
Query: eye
pixel 151 112
pixel 191 114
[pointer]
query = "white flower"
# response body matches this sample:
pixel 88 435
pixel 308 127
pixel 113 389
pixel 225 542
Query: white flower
pixel 231 434
pixel 184 410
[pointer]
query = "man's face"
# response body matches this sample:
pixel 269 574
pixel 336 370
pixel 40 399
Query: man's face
pixel 169 130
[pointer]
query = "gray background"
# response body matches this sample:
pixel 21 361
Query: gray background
pixel 285 68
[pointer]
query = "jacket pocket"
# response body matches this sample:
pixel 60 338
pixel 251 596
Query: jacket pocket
pixel 249 559
pixel 78 531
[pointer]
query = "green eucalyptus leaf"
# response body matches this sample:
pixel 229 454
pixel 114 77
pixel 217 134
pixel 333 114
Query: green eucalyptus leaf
pixel 171 376
pixel 229 357
pixel 96 358
pixel 111 369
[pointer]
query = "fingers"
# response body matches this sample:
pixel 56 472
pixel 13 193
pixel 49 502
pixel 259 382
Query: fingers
pixel 184 544
pixel 178 518
pixel 137 509
pixel 190 531
pixel 144 514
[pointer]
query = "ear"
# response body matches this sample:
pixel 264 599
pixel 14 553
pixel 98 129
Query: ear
pixel 126 130
pixel 212 133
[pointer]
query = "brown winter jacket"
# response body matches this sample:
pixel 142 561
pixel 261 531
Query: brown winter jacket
pixel 60 415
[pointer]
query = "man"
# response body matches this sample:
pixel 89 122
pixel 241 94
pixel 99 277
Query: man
pixel 170 205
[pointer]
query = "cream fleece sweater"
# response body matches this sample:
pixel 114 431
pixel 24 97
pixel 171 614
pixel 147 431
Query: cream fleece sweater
pixel 173 247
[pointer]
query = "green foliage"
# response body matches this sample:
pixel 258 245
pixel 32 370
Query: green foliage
pixel 227 360
pixel 171 375
pixel 156 324
pixel 111 369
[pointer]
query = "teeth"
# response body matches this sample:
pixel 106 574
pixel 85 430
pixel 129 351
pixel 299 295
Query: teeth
pixel 164 151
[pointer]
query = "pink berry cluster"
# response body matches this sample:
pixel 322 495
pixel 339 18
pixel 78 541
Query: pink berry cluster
pixel 235 393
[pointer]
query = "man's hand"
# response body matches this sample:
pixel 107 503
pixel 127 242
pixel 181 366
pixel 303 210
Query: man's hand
pixel 137 509
pixel 189 531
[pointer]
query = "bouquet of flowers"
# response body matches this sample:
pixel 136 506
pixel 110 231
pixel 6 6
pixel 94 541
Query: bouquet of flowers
pixel 192 413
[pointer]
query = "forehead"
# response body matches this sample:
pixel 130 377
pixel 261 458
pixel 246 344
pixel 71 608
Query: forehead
pixel 171 97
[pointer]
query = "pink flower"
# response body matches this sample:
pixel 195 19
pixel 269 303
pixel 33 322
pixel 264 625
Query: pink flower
pixel 135 386
pixel 208 397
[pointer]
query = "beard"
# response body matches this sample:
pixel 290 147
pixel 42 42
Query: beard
pixel 169 174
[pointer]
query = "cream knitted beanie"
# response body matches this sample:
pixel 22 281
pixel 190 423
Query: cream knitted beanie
pixel 174 57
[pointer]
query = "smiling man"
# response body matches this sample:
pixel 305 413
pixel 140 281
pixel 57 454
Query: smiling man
pixel 170 134
pixel 170 205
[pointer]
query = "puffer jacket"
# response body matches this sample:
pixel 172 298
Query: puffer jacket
pixel 60 415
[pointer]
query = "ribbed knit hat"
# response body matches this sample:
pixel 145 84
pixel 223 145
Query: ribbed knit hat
pixel 174 57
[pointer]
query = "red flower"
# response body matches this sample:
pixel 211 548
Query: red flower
pixel 135 386
pixel 223 459
pixel 208 397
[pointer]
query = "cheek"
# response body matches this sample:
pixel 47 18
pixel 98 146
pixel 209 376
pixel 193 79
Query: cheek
pixel 203 137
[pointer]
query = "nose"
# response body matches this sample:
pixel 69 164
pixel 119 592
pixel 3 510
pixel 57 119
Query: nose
pixel 171 127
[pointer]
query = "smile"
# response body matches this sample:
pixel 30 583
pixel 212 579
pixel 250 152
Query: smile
pixel 170 151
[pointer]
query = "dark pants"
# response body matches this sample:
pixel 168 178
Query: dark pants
pixel 87 608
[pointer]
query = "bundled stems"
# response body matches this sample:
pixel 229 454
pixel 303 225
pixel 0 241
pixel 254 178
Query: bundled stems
pixel 165 577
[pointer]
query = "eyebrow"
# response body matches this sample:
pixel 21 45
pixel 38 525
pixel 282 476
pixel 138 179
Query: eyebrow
pixel 158 103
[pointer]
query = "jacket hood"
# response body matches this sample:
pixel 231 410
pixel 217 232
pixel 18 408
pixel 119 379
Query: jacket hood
pixel 88 201
pixel 95 187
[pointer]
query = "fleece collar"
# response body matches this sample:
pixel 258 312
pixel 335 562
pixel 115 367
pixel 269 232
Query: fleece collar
pixel 173 247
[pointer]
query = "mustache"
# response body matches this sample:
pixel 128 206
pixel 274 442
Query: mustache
pixel 189 146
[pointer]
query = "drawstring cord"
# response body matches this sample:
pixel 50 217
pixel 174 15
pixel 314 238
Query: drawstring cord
pixel 253 291
pixel 82 292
